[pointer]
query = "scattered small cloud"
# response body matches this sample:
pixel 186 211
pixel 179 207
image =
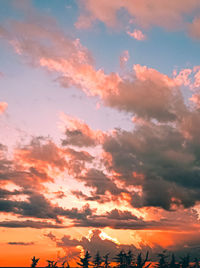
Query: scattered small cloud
pixel 3 107
pixel 137 34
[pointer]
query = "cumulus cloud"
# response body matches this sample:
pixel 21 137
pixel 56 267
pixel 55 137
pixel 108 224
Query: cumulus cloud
pixel 98 239
pixel 91 243
pixel 100 182
pixel 165 158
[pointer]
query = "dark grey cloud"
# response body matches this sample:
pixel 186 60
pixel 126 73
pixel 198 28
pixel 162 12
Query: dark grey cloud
pixel 149 98
pixel 37 206
pixel 92 197
pixel 21 243
pixel 164 161
pixel 30 224
pixel 95 242
pixel 100 182
pixel 28 169
pixel 44 150
pixel 117 219
pixel 79 155
pixel 78 138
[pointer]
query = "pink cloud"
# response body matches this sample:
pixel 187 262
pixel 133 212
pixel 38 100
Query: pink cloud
pixel 137 34
pixel 83 22
pixel 79 133
pixel 183 77
pixel 3 107
pixel 74 65
pixel 122 94
pixel 124 58
pixel 188 77
pixel 194 28
pixel 196 100
pixel 197 77
pixel 166 14
pixel 143 73
pixel 93 82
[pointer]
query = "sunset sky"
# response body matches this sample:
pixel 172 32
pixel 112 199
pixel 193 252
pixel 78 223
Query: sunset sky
pixel 99 128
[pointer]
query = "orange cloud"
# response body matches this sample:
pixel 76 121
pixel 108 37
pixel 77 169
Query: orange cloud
pixel 94 83
pixel 3 107
pixel 79 133
pixel 196 100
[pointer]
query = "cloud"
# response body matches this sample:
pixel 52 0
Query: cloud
pixel 165 160
pixel 78 133
pixel 124 58
pixel 30 224
pixel 91 244
pixel 125 220
pixel 147 241
pixel 98 239
pixel 137 34
pixel 152 169
pixel 3 107
pixel 147 93
pixel 194 28
pixel 145 14
pixel 42 152
pixel 29 166
pixel 196 100
pixel 38 207
pixel 100 182
pixel 21 243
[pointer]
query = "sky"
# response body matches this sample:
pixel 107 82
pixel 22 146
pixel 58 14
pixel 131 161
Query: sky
pixel 100 137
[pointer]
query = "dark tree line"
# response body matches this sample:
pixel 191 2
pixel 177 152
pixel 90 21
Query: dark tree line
pixel 127 260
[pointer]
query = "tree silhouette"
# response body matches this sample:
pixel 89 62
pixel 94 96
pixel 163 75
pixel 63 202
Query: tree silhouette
pixel 84 262
pixel 173 262
pixel 120 259
pixel 185 261
pixel 140 262
pixel 106 261
pixel 196 263
pixel 63 264
pixel 126 260
pixel 162 263
pixel 129 258
pixel 52 264
pixel 97 260
pixel 34 261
